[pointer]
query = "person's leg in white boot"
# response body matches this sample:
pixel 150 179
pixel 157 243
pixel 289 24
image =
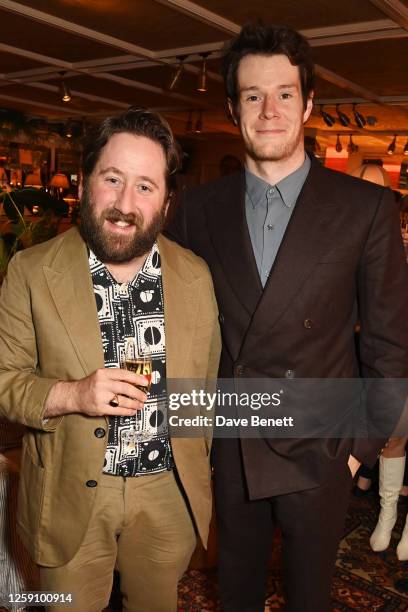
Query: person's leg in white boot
pixel 390 480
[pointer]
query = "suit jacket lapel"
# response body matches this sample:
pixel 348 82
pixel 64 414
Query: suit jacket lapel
pixel 230 237
pixel 306 238
pixel 70 285
pixel 180 309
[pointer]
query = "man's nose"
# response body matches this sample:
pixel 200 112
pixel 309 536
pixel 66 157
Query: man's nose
pixel 269 108
pixel 125 200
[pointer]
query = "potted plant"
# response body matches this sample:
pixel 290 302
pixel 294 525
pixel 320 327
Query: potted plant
pixel 18 231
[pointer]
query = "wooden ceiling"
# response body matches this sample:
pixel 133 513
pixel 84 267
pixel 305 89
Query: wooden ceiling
pixel 116 53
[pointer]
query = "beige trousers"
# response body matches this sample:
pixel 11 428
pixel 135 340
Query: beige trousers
pixel 142 527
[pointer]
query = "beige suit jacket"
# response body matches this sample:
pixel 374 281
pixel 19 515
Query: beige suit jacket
pixel 49 331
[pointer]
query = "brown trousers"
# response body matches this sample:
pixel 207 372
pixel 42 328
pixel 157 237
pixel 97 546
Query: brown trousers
pixel 311 524
pixel 142 527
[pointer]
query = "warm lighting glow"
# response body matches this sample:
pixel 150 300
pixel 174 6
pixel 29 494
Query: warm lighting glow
pixel 392 145
pixel 60 181
pixel 175 79
pixel 33 180
pixel 199 123
pixel 202 78
pixel 336 160
pixel 394 171
pixel 64 89
pixel 374 174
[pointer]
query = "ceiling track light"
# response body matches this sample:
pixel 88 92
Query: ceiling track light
pixel 352 147
pixel 339 146
pixel 68 129
pixel 199 123
pixel 359 118
pixel 64 89
pixel 202 78
pixel 406 148
pixel 392 145
pixel 175 78
pixel 343 118
pixel 327 118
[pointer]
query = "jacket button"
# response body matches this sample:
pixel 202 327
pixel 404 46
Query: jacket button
pixel 239 370
pixel 289 374
pixel 308 323
pixel 91 483
pixel 221 318
pixel 99 432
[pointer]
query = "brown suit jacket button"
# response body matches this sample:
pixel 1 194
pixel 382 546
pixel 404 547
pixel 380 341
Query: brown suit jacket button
pixel 99 432
pixel 308 323
pixel 289 374
pixel 91 483
pixel 239 370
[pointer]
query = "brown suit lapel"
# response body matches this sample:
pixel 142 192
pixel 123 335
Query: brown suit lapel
pixel 70 285
pixel 180 308
pixel 229 234
pixel 69 282
pixel 307 237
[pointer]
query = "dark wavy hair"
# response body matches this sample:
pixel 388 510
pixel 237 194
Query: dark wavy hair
pixel 140 122
pixel 260 39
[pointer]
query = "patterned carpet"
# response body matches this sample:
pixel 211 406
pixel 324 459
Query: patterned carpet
pixel 363 580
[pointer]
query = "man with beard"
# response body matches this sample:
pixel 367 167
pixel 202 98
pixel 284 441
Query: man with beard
pixel 103 485
pixel 298 253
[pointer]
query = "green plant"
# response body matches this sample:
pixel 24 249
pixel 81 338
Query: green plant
pixel 17 232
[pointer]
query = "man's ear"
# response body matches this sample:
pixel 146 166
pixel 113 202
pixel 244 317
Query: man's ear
pixel 309 107
pixel 231 112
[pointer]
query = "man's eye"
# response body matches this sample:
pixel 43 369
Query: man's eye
pixel 286 96
pixel 253 98
pixel 113 180
pixel 145 188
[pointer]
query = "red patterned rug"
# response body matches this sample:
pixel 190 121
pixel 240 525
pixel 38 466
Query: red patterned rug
pixel 363 580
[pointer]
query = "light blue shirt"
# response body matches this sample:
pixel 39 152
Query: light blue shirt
pixel 268 209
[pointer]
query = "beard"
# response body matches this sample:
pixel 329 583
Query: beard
pixel 270 151
pixel 110 248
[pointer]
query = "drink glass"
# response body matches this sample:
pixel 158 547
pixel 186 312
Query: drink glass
pixel 139 360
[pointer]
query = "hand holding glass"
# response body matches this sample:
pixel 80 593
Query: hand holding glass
pixel 138 361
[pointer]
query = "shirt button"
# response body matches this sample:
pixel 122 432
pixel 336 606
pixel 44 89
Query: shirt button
pixel 308 323
pixel 289 374
pixel 271 190
pixel 270 226
pixel 91 483
pixel 99 432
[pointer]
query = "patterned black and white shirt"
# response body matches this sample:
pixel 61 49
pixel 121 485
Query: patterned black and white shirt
pixel 136 445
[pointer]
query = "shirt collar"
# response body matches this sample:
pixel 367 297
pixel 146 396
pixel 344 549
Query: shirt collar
pixel 94 261
pixel 288 188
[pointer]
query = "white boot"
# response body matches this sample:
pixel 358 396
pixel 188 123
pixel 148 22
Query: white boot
pixel 402 548
pixel 391 477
